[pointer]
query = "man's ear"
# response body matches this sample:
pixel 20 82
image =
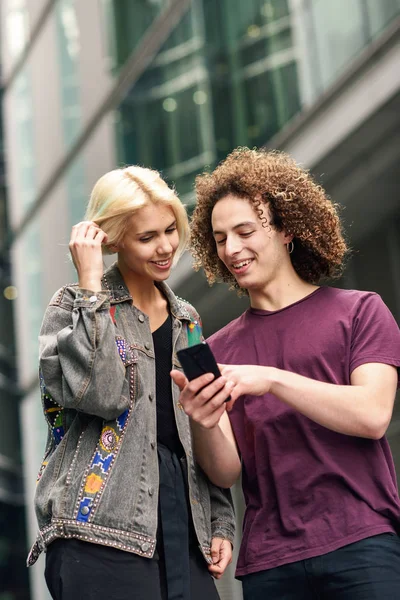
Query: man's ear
pixel 287 237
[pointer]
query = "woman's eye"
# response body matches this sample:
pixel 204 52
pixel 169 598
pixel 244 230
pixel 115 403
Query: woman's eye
pixel 171 230
pixel 146 239
pixel 220 242
pixel 246 233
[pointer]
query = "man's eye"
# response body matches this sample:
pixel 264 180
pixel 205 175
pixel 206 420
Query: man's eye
pixel 220 242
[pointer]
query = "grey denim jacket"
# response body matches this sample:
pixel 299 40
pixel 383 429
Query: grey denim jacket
pixel 99 477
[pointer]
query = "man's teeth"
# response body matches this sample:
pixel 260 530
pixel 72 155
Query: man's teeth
pixel 241 264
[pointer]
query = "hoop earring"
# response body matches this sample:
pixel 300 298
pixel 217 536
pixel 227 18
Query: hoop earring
pixel 290 247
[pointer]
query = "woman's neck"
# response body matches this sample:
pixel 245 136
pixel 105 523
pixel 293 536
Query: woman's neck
pixel 145 294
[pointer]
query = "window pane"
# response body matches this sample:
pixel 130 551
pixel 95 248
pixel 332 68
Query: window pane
pixel 129 21
pixel 338 39
pixel 381 13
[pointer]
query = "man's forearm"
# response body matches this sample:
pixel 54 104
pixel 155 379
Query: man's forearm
pixel 358 410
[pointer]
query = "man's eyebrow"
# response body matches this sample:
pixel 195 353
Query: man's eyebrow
pixel 244 224
pixel 154 230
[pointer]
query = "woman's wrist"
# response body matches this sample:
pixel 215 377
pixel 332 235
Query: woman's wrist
pixel 93 285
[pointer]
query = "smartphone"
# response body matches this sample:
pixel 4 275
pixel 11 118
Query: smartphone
pixel 197 360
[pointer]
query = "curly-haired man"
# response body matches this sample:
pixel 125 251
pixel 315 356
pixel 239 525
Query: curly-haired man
pixel 311 371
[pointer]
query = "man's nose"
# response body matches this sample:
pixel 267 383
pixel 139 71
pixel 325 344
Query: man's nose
pixel 233 245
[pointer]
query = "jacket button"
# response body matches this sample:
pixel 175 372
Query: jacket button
pixel 145 547
pixel 147 346
pixel 141 318
pixel 85 510
pixel 151 491
pixel 151 397
pixel 153 445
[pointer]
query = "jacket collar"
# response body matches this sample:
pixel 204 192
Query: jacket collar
pixel 113 282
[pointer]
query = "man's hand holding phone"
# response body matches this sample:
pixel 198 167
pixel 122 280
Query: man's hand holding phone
pixel 204 391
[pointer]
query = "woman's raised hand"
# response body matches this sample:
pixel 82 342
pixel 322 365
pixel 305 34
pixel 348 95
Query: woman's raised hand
pixel 85 247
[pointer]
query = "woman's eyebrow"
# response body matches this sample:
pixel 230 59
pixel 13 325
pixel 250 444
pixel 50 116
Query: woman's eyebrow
pixel 154 230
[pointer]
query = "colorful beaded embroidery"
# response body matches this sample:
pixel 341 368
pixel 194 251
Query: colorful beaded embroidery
pixel 53 413
pixel 105 453
pixel 121 345
pixel 194 328
pixel 103 458
pixel 194 333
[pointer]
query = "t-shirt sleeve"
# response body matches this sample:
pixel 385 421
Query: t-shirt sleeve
pixel 375 335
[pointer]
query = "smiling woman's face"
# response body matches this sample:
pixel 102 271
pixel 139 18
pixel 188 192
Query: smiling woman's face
pixel 150 243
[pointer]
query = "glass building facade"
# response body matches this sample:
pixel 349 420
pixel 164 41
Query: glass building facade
pixel 173 85
pixel 232 74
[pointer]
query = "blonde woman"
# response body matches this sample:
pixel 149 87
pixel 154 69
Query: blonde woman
pixel 123 509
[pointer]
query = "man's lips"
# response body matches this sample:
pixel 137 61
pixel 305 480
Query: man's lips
pixel 240 266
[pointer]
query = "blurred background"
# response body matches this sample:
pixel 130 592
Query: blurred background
pixel 87 85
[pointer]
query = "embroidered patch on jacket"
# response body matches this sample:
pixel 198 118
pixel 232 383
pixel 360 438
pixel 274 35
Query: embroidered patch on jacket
pixel 106 451
pixel 194 328
pixel 121 420
pixel 194 332
pixel 96 475
pixel 41 470
pixel 108 439
pixel 114 312
pixel 53 412
pixel 121 345
pixel 103 458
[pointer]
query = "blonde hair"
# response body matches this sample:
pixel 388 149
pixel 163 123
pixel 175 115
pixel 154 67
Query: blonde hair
pixel 117 195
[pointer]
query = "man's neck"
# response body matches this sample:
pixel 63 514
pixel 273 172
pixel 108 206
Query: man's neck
pixel 279 294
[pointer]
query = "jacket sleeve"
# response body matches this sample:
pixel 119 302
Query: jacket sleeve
pixel 78 355
pixel 223 522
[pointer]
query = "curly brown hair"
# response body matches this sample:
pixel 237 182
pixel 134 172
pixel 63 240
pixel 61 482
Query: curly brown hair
pixel 298 206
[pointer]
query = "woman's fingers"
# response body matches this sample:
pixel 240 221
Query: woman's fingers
pixel 85 248
pixel 101 236
pixel 91 232
pixel 84 229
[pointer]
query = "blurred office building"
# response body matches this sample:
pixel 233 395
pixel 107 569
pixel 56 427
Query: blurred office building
pixel 13 575
pixel 175 85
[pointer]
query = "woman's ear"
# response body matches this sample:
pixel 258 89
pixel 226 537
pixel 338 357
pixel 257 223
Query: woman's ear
pixel 113 248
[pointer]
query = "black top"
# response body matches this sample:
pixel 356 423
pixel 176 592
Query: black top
pixel 167 432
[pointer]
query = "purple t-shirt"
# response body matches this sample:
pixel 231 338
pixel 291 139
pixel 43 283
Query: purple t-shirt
pixel 309 490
